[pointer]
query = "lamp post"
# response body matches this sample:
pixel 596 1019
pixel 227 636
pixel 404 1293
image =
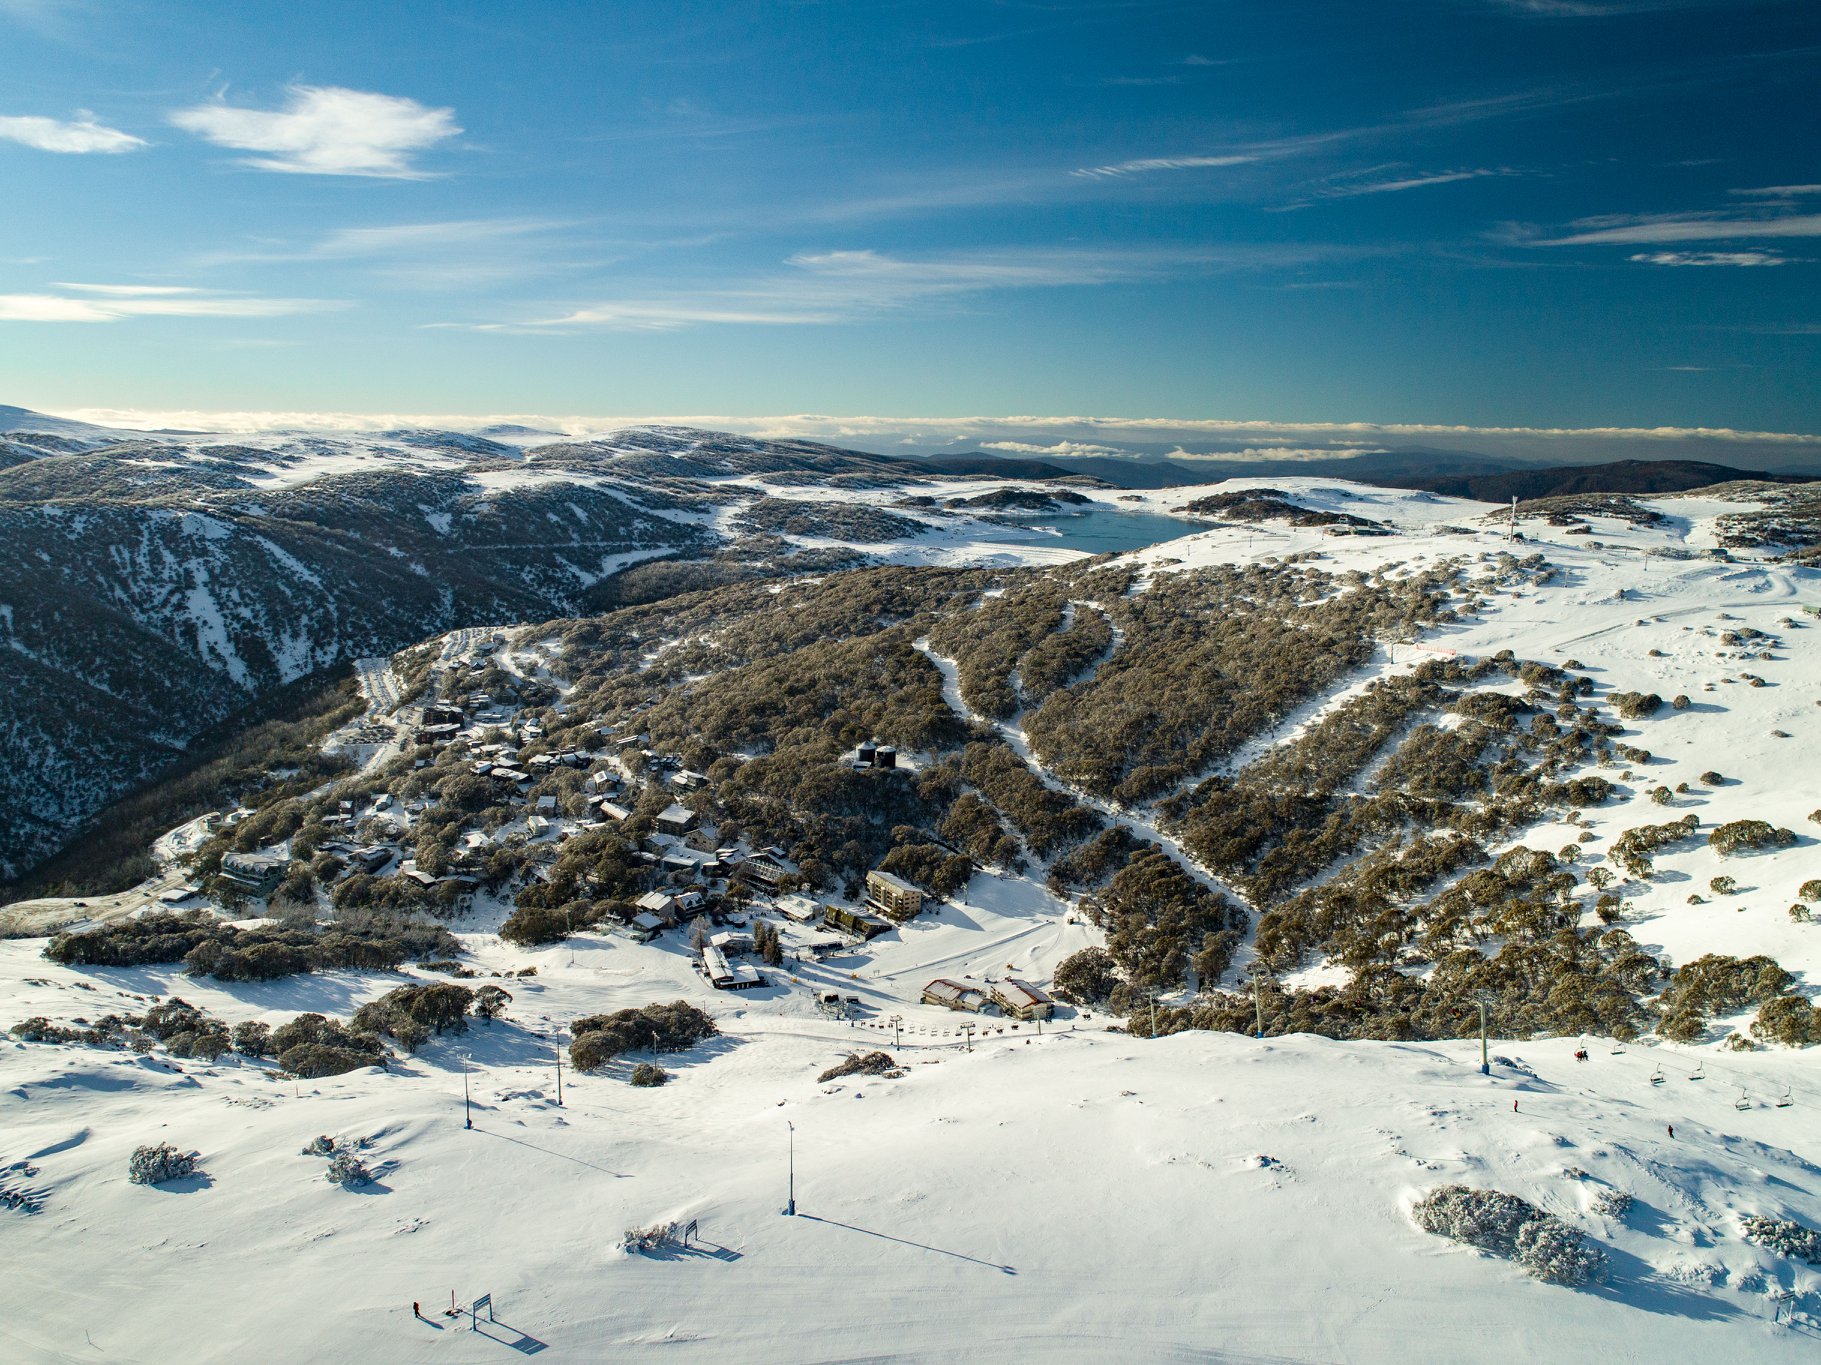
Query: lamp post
pixel 467 1103
pixel 790 1203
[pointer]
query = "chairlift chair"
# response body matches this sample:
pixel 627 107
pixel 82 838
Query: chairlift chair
pixel 1785 1101
pixel 1742 1102
pixel 1699 1073
pixel 1656 1077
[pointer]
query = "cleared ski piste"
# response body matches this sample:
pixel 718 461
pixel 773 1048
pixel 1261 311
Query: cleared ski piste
pixel 1081 1195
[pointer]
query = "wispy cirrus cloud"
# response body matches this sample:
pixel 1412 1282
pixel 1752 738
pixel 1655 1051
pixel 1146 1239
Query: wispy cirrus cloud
pixel 82 134
pixel 1147 165
pixel 1408 182
pixel 1649 229
pixel 1779 191
pixel 829 287
pixel 449 254
pixel 117 302
pixel 1710 258
pixel 326 130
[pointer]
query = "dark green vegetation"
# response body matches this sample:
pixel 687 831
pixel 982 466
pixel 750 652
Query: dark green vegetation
pixel 1364 837
pixel 599 1038
pixel 281 733
pixel 209 947
pixel 1271 504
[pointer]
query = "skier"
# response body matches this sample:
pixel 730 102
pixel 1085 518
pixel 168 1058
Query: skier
pixel 1514 1106
pixel 1672 1129
pixel 414 1309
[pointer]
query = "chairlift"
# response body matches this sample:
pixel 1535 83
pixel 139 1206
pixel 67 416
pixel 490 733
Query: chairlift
pixel 1785 1101
pixel 1699 1073
pixel 1618 1049
pixel 1743 1102
pixel 1657 1077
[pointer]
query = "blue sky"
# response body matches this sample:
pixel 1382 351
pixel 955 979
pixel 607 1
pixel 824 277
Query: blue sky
pixel 1547 213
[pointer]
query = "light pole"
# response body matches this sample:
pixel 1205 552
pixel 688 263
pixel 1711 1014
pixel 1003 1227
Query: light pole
pixel 1485 1066
pixel 559 1074
pixel 467 1104
pixel 790 1204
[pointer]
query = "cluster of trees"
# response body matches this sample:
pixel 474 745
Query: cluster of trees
pixel 767 943
pixel 940 871
pixel 855 522
pixel 1212 657
pixel 209 947
pixel 1161 924
pixel 598 1038
pixel 410 1015
pixel 1717 984
pixel 1749 836
pixel 1634 849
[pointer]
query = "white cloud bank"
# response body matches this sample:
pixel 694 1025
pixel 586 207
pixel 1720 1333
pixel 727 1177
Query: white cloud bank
pixel 76 136
pixel 1731 258
pixel 327 130
pixel 1059 437
pixel 116 302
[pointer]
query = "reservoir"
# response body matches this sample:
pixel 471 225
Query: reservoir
pixel 1104 530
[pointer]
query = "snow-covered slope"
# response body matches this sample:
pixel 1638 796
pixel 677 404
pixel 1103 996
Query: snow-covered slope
pixel 1081 1195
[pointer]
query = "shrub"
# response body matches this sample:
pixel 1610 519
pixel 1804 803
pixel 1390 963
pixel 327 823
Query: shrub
pixel 858 1064
pixel 313 1061
pixel 1787 1019
pixel 1681 701
pixel 1710 778
pixel 490 1002
pixel 1784 1236
pixel 155 1164
pixel 652 1238
pixel 1086 977
pixel 411 1013
pixel 253 1038
pixel 1637 705
pixel 1503 1225
pixel 599 1038
pixel 1738 836
pixel 1613 1203
pixel 649 1074
pixel 1810 890
pixel 348 1171
pixel 320 1145
pixel 1662 796
pixel 1555 1253
pixel 1722 885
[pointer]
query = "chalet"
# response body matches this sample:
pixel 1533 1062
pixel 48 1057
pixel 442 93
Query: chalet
pixel 731 942
pixel 615 812
pixel 546 805
pixel 762 871
pixel 642 928
pixel 687 779
pixel 436 734
pixel 371 858
pixel 955 996
pixel 509 776
pixel 724 977
pixel 255 873
pixel 411 872
pixel 799 908
pixel 892 896
pixel 1021 1000
pixel 676 819
pixel 659 903
pixel 856 922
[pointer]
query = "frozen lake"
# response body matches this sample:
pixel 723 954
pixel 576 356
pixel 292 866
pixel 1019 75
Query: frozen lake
pixel 1105 530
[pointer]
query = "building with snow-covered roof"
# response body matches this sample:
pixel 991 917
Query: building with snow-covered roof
pixel 892 896
pixel 676 818
pixel 1022 1000
pixel 954 995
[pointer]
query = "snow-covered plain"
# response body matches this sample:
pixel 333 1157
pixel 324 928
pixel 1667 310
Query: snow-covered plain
pixel 1077 1193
